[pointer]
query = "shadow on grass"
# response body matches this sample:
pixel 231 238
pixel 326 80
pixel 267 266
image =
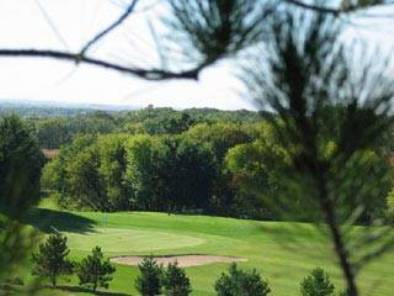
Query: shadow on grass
pixel 48 220
pixel 77 289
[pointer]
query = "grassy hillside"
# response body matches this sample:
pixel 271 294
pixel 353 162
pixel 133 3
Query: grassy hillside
pixel 283 252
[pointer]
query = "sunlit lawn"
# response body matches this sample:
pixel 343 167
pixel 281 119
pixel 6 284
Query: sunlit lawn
pixel 283 252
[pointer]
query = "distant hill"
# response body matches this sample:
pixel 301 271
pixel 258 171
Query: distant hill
pixel 30 108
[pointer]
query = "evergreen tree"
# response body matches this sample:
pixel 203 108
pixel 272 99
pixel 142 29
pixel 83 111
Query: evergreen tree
pixel 94 271
pixel 50 260
pixel 149 282
pixel 317 284
pixel 241 283
pixel 175 281
pixel 20 166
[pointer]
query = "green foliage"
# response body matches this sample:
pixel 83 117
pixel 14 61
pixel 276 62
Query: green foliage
pixel 172 123
pixel 190 174
pixel 175 281
pixel 95 271
pixel 334 101
pixel 16 242
pixel 53 132
pixel 20 169
pixel 219 168
pixel 149 281
pixel 61 128
pixel 241 283
pixel 20 166
pixel 390 205
pixel 257 175
pixel 173 173
pixel 123 172
pixel 84 181
pixel 317 284
pixel 52 177
pixel 144 158
pixel 220 136
pixel 112 169
pixel 211 32
pixel 16 281
pixel 51 259
pixel 365 194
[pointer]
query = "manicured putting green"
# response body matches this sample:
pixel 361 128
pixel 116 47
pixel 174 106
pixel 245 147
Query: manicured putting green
pixel 127 241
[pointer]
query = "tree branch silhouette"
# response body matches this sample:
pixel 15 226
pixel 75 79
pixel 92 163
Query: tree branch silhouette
pixel 314 7
pixel 110 28
pixel 303 74
pixel 339 11
pixel 148 74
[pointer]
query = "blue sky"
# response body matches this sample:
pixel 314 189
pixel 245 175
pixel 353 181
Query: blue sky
pixel 24 24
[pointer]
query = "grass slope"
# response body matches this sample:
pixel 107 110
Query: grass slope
pixel 283 252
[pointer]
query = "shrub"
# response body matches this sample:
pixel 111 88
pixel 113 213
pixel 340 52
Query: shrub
pixel 50 260
pixel 175 281
pixel 241 283
pixel 317 284
pixel 149 282
pixel 94 271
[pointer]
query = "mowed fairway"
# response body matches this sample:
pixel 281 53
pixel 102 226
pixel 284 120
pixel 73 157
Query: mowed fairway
pixel 283 252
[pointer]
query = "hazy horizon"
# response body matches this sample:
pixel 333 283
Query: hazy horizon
pixel 67 25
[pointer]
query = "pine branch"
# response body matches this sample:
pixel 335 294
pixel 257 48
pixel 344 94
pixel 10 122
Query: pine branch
pixel 148 74
pixel 314 7
pixel 110 28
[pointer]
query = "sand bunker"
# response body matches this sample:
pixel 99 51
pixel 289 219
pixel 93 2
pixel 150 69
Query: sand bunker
pixel 183 260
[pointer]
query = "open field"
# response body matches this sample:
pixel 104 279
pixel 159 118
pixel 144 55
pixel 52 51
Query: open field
pixel 283 252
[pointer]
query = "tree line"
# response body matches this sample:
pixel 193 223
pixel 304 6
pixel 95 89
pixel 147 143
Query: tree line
pixel 182 172
pixel 229 169
pixel 54 131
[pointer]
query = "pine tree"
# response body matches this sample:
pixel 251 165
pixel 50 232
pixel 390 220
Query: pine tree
pixel 149 282
pixel 175 281
pixel 317 284
pixel 241 283
pixel 50 260
pixel 95 271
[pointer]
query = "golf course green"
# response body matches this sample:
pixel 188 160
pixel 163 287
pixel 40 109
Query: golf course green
pixel 283 252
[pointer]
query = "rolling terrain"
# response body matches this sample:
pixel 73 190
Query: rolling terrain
pixel 283 252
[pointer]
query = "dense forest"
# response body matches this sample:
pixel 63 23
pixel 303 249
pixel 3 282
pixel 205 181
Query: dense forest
pixel 192 161
pixel 54 131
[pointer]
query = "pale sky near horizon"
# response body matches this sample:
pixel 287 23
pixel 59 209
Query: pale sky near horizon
pixel 24 24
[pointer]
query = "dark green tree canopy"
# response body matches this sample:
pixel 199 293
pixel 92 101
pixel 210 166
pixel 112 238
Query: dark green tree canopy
pixel 149 281
pixel 239 282
pixel 51 259
pixel 94 271
pixel 317 284
pixel 175 281
pixel 20 166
